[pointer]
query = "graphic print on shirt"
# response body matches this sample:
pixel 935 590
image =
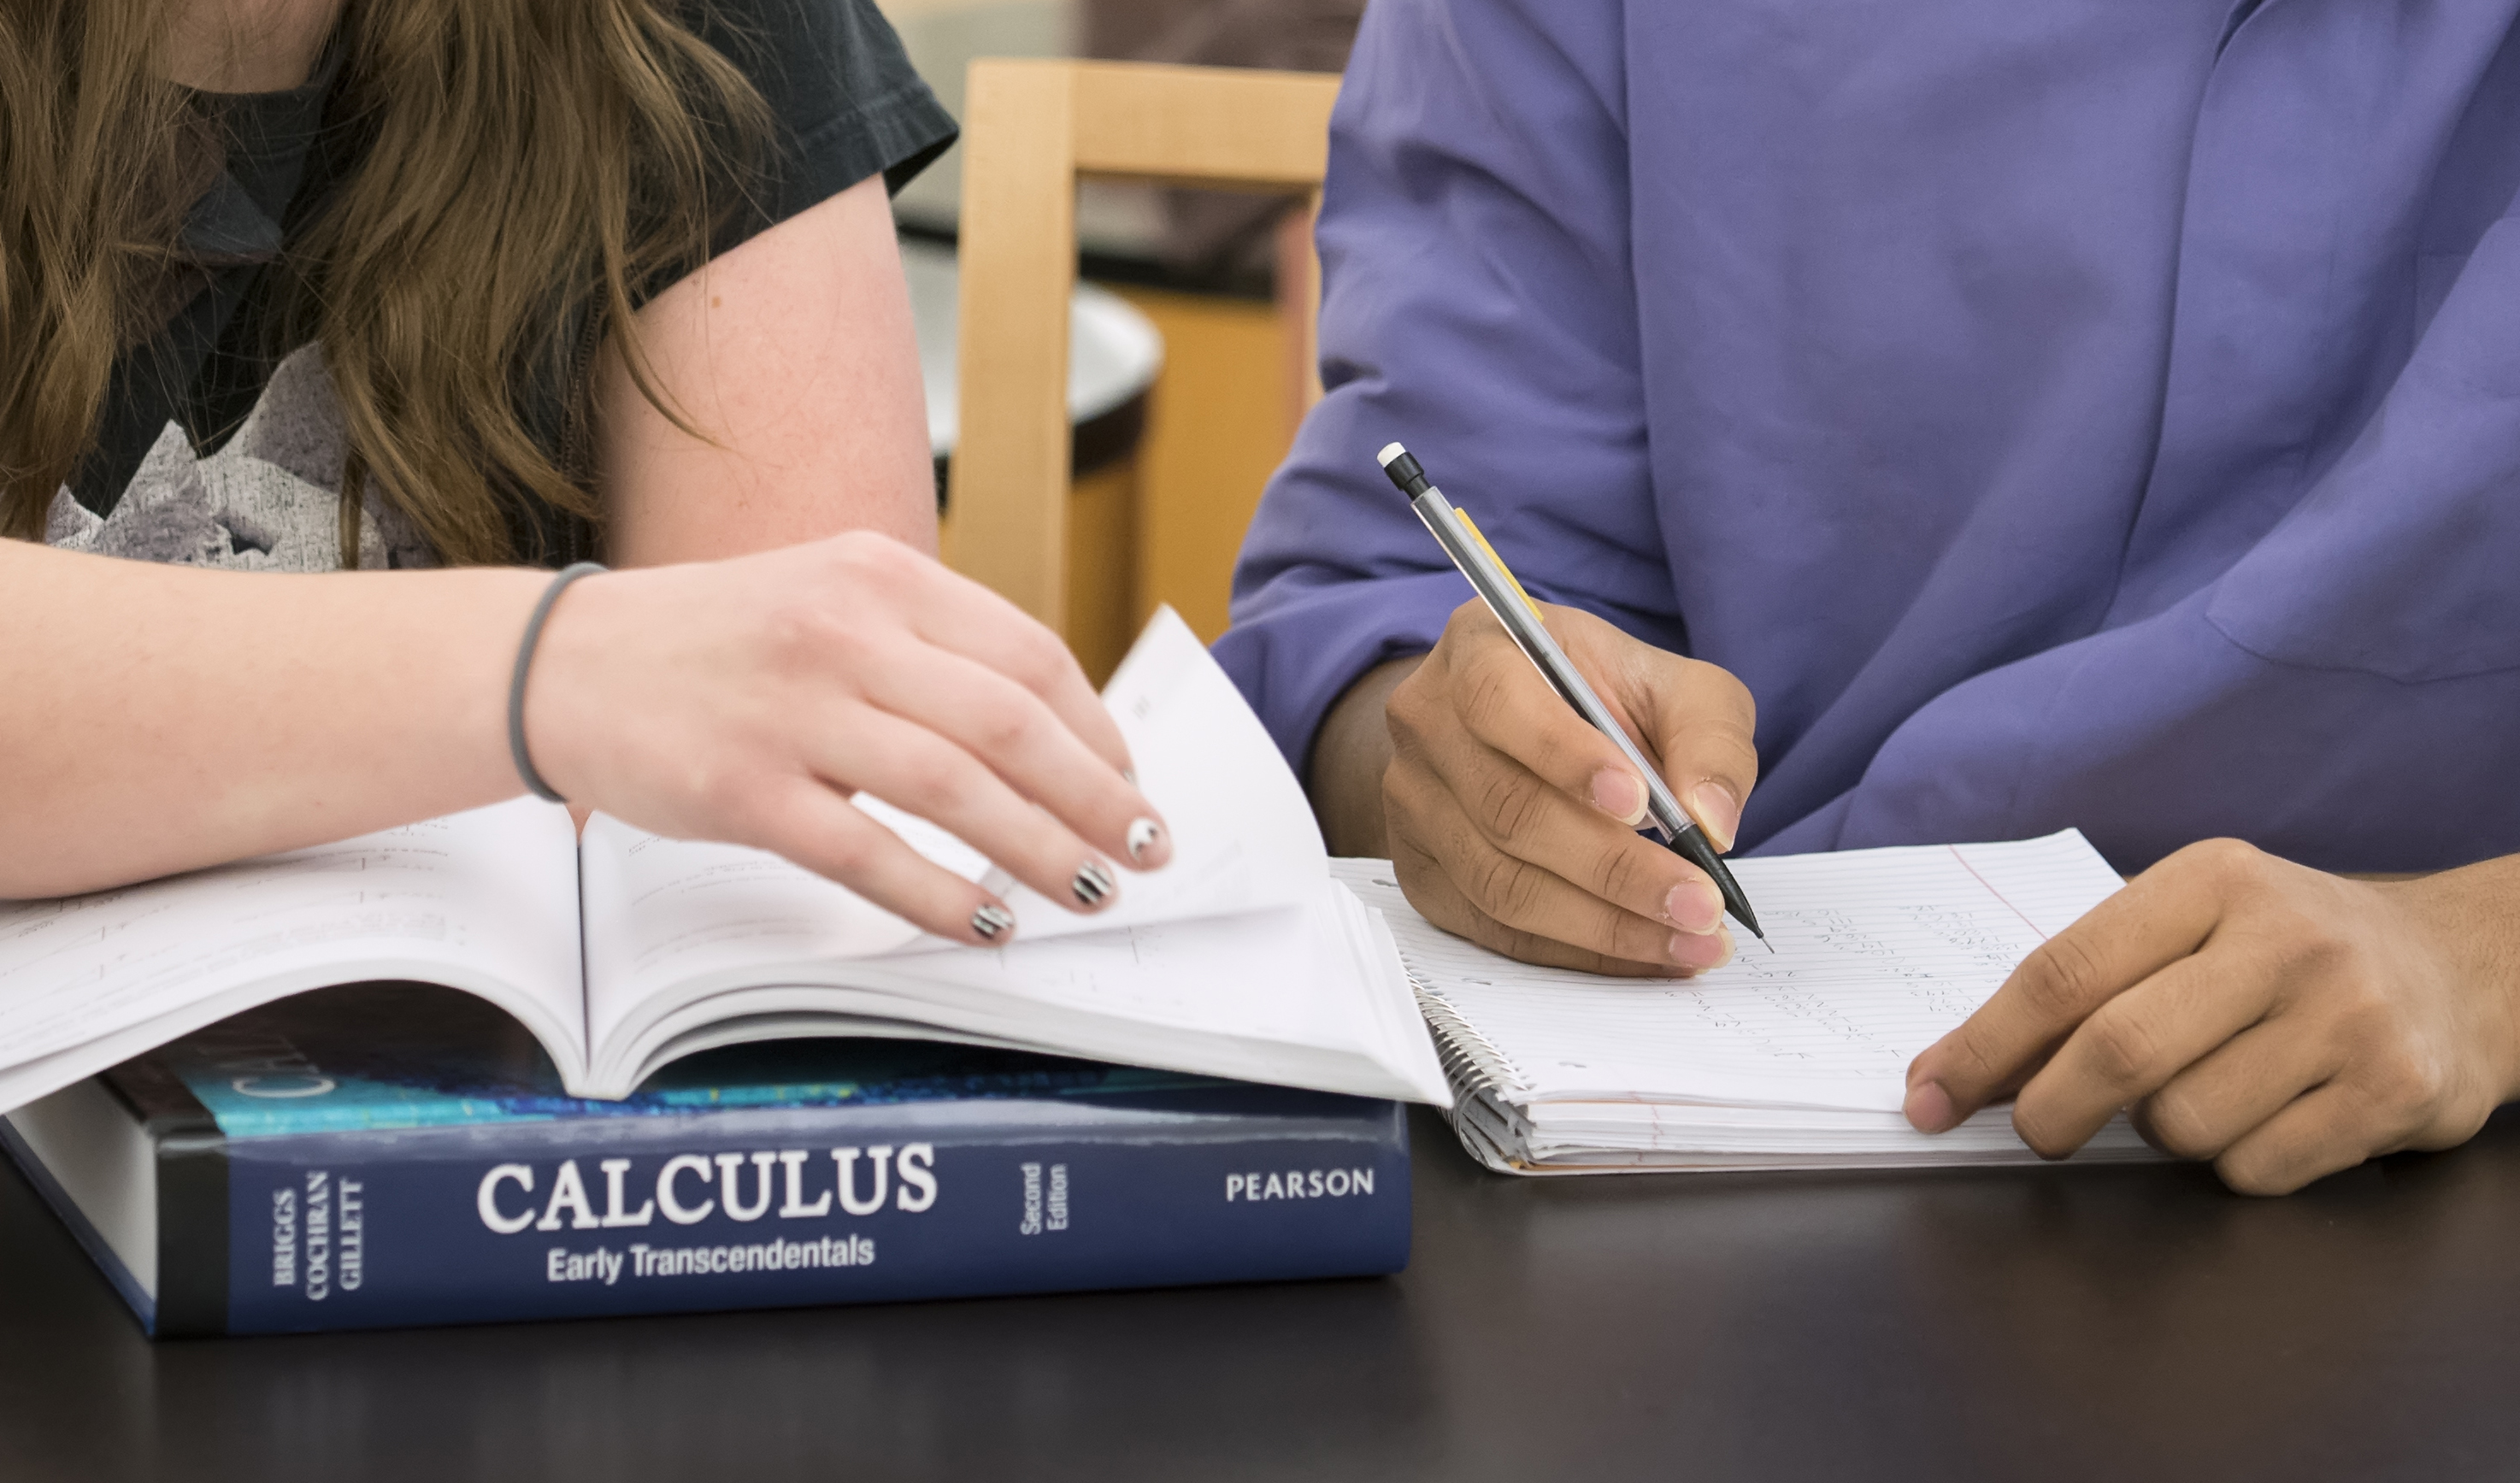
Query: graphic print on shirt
pixel 268 500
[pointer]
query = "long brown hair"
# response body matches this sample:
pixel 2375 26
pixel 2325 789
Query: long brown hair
pixel 525 169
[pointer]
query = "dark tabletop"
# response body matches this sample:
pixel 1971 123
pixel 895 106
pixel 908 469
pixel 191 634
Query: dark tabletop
pixel 2063 1322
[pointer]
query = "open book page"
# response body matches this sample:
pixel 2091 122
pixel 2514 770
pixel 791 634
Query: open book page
pixel 484 901
pixel 1879 954
pixel 1311 995
pixel 672 917
pixel 670 922
pixel 1243 836
pixel 1272 986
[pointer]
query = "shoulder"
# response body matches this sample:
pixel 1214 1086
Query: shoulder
pixel 845 100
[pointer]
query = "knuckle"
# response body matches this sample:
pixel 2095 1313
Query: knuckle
pixel 1726 700
pixel 1466 623
pixel 1037 659
pixel 2459 1116
pixel 2120 1045
pixel 1615 875
pixel 2310 952
pixel 1423 882
pixel 1399 827
pixel 1409 716
pixel 1487 697
pixel 1510 800
pixel 1410 790
pixel 872 561
pixel 2403 1085
pixel 2232 862
pixel 730 796
pixel 2031 1125
pixel 849 854
pixel 2061 978
pixel 1537 948
pixel 1633 939
pixel 1736 693
pixel 1497 936
pixel 883 552
pixel 2178 1128
pixel 1969 1058
pixel 1417 687
pixel 2364 1016
pixel 1554 751
pixel 1421 878
pixel 800 631
pixel 929 781
pixel 1506 889
pixel 1010 727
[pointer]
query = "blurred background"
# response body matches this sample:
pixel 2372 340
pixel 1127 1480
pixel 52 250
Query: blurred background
pixel 1185 385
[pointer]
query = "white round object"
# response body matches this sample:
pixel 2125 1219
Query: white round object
pixel 1114 352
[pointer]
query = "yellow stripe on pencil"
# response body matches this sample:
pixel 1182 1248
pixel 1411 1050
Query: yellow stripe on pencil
pixel 1481 537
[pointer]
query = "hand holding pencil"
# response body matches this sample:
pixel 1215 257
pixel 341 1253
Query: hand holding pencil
pixel 1512 817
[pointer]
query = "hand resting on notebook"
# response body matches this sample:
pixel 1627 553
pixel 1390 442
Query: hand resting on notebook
pixel 1512 822
pixel 2282 1023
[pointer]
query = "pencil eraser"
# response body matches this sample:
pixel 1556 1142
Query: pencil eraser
pixel 1389 452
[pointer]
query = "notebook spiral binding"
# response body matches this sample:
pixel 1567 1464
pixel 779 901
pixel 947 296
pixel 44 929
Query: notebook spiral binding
pixel 1477 1070
pixel 1469 1059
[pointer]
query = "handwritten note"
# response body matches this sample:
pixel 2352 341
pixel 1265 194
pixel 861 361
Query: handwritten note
pixel 1877 954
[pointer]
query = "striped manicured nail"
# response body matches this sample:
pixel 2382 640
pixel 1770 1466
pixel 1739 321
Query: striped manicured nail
pixel 1093 883
pixel 990 921
pixel 1142 834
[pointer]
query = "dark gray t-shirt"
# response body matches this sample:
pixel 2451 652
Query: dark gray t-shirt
pixel 216 448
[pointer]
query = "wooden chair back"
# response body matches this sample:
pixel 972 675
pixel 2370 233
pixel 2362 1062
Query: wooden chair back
pixel 1031 129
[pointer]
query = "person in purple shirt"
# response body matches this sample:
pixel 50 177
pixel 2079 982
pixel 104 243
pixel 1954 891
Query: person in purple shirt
pixel 2090 413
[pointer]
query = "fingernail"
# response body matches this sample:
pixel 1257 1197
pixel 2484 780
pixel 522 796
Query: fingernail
pixel 1129 775
pixel 1093 883
pixel 1145 835
pixel 1617 793
pixel 1695 906
pixel 1929 1108
pixel 1701 951
pixel 990 921
pixel 1717 812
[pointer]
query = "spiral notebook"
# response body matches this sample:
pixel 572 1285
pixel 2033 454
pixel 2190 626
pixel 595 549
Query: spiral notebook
pixel 1795 1058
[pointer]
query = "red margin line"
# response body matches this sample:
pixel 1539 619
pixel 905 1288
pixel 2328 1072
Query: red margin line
pixel 1991 891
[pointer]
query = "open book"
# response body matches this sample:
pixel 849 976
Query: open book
pixel 1792 1059
pixel 622 951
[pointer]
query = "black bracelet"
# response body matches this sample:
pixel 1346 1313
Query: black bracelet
pixel 534 782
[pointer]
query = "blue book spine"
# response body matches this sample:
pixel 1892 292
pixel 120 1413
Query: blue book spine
pixel 776 1207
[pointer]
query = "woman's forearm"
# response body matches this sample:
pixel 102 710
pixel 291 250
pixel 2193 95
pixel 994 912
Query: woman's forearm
pixel 157 719
pixel 154 719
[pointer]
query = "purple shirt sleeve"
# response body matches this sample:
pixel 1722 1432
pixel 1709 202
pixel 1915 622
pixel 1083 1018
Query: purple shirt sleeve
pixel 1474 218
